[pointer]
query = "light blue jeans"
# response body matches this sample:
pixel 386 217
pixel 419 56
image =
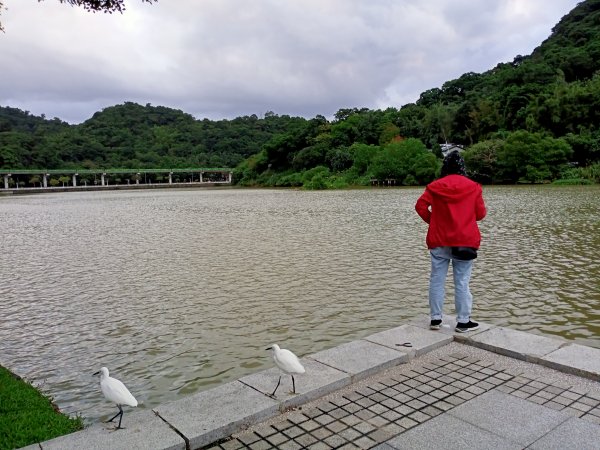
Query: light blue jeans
pixel 461 271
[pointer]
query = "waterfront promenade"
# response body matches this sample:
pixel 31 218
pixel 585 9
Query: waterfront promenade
pixel 408 387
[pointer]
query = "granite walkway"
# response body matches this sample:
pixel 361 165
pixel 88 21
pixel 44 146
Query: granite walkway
pixel 493 388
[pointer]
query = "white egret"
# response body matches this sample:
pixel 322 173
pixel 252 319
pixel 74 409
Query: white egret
pixel 116 392
pixel 288 363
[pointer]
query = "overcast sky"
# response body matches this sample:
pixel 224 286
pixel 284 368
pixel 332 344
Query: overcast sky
pixel 220 59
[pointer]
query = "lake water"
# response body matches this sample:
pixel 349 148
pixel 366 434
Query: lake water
pixel 177 291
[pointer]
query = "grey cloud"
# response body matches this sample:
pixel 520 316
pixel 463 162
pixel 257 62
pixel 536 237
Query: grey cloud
pixel 225 58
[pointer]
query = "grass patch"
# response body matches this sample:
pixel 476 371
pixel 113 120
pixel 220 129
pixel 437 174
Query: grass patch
pixel 27 416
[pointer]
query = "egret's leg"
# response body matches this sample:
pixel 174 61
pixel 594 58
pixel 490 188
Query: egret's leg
pixel 293 385
pixel 113 417
pixel 120 418
pixel 278 382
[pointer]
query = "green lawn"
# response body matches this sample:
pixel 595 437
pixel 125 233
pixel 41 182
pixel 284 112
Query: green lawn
pixel 27 416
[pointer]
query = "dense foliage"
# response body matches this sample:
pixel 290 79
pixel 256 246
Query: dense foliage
pixel 131 135
pixel 533 120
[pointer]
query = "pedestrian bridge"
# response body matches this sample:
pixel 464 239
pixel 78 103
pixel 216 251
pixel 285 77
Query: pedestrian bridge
pixel 43 178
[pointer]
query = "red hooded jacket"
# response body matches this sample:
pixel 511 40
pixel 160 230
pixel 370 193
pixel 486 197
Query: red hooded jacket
pixel 451 206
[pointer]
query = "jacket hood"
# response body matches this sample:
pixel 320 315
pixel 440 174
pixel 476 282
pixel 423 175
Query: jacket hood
pixel 453 188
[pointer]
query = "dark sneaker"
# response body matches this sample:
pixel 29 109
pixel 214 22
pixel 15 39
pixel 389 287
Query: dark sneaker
pixel 465 327
pixel 435 324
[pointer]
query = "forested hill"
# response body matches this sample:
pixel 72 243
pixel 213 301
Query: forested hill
pixel 132 135
pixel 574 45
pixel 535 119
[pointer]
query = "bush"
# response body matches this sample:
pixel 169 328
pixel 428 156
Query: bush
pixel 336 182
pixel 408 162
pixel 572 181
pixel 268 179
pixel 316 183
pixel 308 175
pixel 290 180
pixel 531 157
pixel 590 173
pixel 410 181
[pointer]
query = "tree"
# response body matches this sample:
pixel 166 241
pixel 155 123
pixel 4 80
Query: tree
pixel 439 121
pixel 411 119
pixel 362 156
pixel 339 159
pixel 315 178
pixel 430 97
pixel 309 157
pixel 585 145
pixel 476 119
pixel 107 6
pixel 280 151
pixel 481 160
pixel 35 179
pixel 531 157
pixel 64 179
pixel 406 161
pixel 346 131
pixel 389 133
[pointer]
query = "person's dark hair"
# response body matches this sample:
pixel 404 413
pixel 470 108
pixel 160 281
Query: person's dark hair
pixel 454 164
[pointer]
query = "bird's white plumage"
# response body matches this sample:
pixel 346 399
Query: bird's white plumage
pixel 286 360
pixel 114 390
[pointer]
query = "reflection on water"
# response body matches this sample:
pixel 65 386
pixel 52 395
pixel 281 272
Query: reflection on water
pixel 177 291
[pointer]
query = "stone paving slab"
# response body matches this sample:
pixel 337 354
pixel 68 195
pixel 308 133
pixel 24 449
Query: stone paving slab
pixel 374 412
pixel 508 416
pixel 318 381
pixel 368 415
pixel 370 412
pixel 575 358
pixel 449 432
pixel 516 344
pixel 214 414
pixel 142 430
pixel 573 433
pixel 360 359
pixel 422 340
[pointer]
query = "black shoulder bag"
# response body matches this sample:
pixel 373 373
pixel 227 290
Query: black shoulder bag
pixel 464 253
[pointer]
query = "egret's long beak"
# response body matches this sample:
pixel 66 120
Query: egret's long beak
pixel 97 373
pixel 268 348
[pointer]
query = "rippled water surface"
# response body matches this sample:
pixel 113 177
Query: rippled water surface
pixel 177 291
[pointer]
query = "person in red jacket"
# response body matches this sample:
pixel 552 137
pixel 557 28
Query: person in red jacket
pixel 452 205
